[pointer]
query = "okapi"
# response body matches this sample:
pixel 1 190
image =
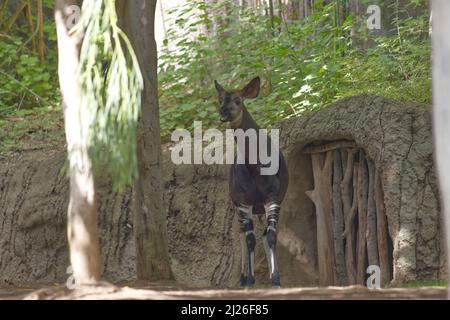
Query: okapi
pixel 251 191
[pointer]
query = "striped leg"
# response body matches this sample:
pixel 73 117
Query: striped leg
pixel 248 241
pixel 270 241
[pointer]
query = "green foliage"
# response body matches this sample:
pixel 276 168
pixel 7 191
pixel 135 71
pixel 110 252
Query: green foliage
pixel 31 129
pixel 24 82
pixel 425 283
pixel 112 96
pixel 305 63
pixel 30 117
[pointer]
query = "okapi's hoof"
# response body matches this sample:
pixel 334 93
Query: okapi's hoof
pixel 243 280
pixel 250 281
pixel 247 281
pixel 276 283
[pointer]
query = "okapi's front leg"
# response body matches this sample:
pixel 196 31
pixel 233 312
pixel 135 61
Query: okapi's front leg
pixel 248 241
pixel 270 241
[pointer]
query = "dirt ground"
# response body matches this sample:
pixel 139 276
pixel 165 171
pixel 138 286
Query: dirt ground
pixel 170 291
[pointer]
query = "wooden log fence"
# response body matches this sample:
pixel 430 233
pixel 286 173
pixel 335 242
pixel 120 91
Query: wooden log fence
pixel 352 229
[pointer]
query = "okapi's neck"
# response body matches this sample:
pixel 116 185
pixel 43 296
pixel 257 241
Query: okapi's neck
pixel 244 121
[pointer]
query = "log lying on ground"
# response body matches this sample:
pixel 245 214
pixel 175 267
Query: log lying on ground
pixel 329 146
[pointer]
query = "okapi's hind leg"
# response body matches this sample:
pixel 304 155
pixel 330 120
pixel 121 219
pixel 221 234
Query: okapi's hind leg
pixel 270 241
pixel 248 241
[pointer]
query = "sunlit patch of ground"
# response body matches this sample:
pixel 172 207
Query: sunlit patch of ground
pixel 151 291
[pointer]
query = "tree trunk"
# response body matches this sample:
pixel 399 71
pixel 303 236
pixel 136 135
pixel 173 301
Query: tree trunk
pixel 150 228
pixel 30 22
pixel 271 14
pixel 362 218
pixel 338 220
pixel 40 35
pixel 349 213
pixel 441 98
pixel 321 196
pixel 82 212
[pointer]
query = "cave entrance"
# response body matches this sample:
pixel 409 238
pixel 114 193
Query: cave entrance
pixel 335 223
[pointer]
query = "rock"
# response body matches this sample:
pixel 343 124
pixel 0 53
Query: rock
pixel 397 137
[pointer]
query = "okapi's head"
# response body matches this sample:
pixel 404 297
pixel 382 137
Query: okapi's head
pixel 231 103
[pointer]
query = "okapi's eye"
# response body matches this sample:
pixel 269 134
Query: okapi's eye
pixel 237 101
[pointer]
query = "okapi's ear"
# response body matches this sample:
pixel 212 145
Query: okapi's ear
pixel 251 90
pixel 219 88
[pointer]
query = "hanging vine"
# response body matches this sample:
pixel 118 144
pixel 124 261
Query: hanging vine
pixel 111 85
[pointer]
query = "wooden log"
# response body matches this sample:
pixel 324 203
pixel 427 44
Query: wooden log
pixel 382 232
pixel 344 156
pixel 40 34
pixel 371 233
pixel 362 218
pixel 339 255
pixel 329 146
pixel 321 197
pixel 346 181
pixel 349 233
pixel 349 210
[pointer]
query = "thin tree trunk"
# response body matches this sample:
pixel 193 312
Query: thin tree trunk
pixel 14 17
pixel 338 220
pixel 321 197
pixel 362 218
pixel 82 212
pixel 29 15
pixel 280 9
pixel 271 14
pixel 349 212
pixel 40 35
pixel 149 224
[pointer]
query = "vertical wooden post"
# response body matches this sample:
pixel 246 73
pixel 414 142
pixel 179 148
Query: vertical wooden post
pixel 362 218
pixel 356 213
pixel 321 196
pixel 349 213
pixel 341 271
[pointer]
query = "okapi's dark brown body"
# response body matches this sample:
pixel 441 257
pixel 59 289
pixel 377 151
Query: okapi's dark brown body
pixel 248 186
